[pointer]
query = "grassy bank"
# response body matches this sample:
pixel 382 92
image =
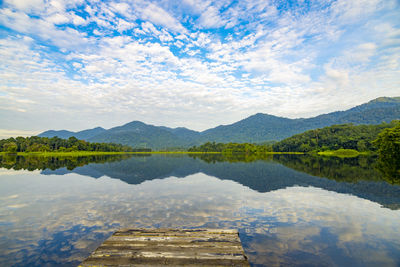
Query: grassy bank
pixel 343 153
pixel 228 153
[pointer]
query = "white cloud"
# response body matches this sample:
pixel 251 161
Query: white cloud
pixel 210 18
pixel 355 10
pixel 77 20
pixel 58 19
pixel 241 57
pixel 124 25
pixel 96 32
pixel 159 16
pixel 122 8
pixel 77 65
pixel 46 30
pixel 26 6
pixel 339 77
pixel 362 53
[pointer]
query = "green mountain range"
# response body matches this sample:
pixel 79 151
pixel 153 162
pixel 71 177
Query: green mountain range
pixel 82 135
pixel 254 129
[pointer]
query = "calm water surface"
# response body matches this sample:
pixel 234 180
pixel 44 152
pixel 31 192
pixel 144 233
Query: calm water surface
pixel 289 210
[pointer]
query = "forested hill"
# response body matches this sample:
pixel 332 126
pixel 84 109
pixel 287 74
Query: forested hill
pixel 254 129
pixel 343 136
pixel 82 135
pixel 139 134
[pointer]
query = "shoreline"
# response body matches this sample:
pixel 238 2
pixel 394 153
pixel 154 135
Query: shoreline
pixel 95 153
pixel 343 153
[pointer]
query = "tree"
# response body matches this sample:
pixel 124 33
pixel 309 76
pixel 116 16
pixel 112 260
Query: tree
pixel 10 147
pixel 362 145
pixel 388 144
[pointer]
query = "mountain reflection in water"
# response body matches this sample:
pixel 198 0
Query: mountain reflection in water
pixel 290 210
pixel 356 176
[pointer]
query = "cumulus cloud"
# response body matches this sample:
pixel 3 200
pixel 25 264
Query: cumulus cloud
pixel 216 61
pixel 159 16
pixel 26 6
pixel 44 29
pixel 210 18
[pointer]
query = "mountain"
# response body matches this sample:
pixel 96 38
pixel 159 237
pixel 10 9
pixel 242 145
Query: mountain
pixel 84 135
pixel 374 112
pixel 183 133
pixel 62 134
pixel 139 134
pixel 262 127
pixel 254 129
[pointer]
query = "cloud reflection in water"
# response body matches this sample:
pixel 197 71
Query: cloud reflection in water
pixel 59 220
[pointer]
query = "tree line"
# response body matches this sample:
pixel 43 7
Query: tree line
pixel 56 144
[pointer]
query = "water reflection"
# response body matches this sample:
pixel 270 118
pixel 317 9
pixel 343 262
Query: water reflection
pixel 285 216
pixel 351 170
pixel 354 169
pixel 356 176
pixel 31 163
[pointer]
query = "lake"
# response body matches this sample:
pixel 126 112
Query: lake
pixel 294 210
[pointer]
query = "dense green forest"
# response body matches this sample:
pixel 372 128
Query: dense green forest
pixel 344 136
pixel 55 144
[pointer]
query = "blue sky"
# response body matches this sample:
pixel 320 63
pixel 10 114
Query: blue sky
pixel 81 64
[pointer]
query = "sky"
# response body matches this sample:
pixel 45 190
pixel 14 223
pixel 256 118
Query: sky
pixel 79 64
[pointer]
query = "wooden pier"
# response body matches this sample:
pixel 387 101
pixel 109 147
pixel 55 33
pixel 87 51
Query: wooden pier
pixel 158 247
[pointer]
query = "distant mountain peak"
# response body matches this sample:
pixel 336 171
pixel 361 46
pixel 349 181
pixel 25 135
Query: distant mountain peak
pixel 85 134
pixel 135 123
pixel 385 99
pixel 264 115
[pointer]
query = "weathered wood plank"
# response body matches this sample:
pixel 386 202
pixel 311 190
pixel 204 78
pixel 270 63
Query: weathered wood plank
pixel 235 249
pixel 131 249
pixel 157 247
pixel 183 239
pixel 165 254
pixel 176 231
pixel 173 243
pixel 127 261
